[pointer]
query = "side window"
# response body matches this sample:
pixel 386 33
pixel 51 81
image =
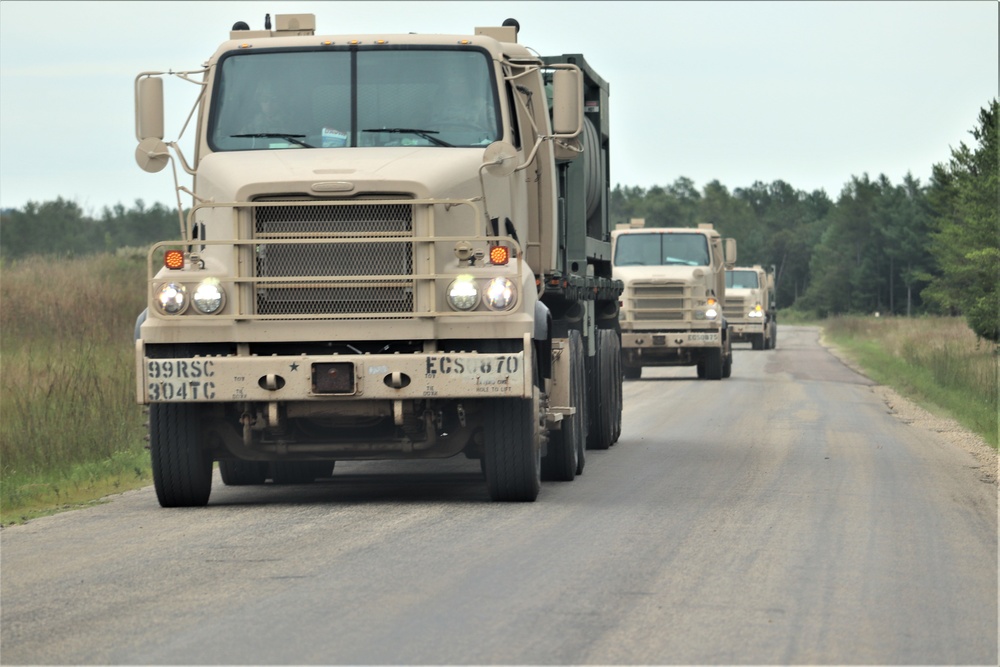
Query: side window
pixel 515 112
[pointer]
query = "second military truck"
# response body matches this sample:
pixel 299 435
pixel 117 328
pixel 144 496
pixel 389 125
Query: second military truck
pixel 398 248
pixel 750 309
pixel 675 292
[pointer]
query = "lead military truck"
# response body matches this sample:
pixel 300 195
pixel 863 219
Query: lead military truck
pixel 366 274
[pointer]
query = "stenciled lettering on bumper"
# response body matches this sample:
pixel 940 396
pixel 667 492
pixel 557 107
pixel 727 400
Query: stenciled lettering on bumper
pixel 303 378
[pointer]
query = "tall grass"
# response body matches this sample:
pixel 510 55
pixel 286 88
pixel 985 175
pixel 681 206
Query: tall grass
pixel 938 361
pixel 70 427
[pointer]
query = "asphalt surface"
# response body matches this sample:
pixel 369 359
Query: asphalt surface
pixel 782 516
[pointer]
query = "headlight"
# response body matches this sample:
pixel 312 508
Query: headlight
pixel 500 294
pixel 711 313
pixel 209 297
pixel 171 298
pixel 756 312
pixel 463 294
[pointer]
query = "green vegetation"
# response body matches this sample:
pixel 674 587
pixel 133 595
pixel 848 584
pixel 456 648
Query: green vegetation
pixel 939 362
pixel 71 429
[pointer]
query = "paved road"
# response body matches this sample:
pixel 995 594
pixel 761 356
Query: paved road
pixel 782 516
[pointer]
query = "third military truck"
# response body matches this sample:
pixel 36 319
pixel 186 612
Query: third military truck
pixel 398 248
pixel 674 299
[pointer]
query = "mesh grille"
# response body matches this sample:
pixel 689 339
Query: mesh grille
pixel 339 242
pixel 658 302
pixel 735 308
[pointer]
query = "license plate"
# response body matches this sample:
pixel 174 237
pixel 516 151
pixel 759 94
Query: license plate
pixel 704 337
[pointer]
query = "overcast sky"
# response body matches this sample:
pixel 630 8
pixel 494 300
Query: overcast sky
pixel 811 93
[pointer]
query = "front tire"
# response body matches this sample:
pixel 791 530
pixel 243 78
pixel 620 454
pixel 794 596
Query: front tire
pixel 511 457
pixel 182 466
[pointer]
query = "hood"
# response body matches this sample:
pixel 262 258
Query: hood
pixel 421 171
pixel 665 274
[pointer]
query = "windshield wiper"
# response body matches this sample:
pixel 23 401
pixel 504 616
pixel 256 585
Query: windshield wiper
pixel 423 134
pixel 294 138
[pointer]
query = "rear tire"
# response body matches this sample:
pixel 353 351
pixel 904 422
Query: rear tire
pixel 602 436
pixel 563 461
pixel 511 456
pixel 182 466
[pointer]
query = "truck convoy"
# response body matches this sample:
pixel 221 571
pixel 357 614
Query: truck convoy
pixel 750 309
pixel 398 248
pixel 672 308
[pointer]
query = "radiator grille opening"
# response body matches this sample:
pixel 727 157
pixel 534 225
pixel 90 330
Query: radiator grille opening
pixel 353 259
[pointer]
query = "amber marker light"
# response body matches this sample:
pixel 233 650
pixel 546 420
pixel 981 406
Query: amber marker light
pixel 173 259
pixel 499 254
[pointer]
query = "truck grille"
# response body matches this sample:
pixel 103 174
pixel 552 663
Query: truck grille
pixel 662 302
pixel 735 308
pixel 353 259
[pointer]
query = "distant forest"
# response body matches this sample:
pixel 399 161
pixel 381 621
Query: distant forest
pixel 902 249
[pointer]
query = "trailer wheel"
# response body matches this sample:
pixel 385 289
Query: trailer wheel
pixel 616 375
pixel 564 459
pixel 604 427
pixel 237 472
pixel 182 467
pixel 512 457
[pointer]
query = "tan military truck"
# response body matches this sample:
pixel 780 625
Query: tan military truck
pixel 675 290
pixel 397 248
pixel 750 309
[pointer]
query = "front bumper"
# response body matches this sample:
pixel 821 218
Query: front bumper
pixel 282 378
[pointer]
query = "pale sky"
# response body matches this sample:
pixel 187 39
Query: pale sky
pixel 809 92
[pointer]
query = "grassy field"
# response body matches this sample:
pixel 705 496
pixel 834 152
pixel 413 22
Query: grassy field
pixel 937 362
pixel 71 432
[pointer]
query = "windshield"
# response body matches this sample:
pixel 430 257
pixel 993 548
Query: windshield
pixel 396 97
pixel 742 279
pixel 655 249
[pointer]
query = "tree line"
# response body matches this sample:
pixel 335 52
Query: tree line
pixel 904 248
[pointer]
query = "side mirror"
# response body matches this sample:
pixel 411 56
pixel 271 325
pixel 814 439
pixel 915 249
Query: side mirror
pixel 567 102
pixel 149 107
pixel 730 252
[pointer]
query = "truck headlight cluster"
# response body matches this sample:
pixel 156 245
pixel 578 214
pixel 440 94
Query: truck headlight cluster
pixel 209 296
pixel 173 298
pixel 710 312
pixel 500 294
pixel 756 312
pixel 465 293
